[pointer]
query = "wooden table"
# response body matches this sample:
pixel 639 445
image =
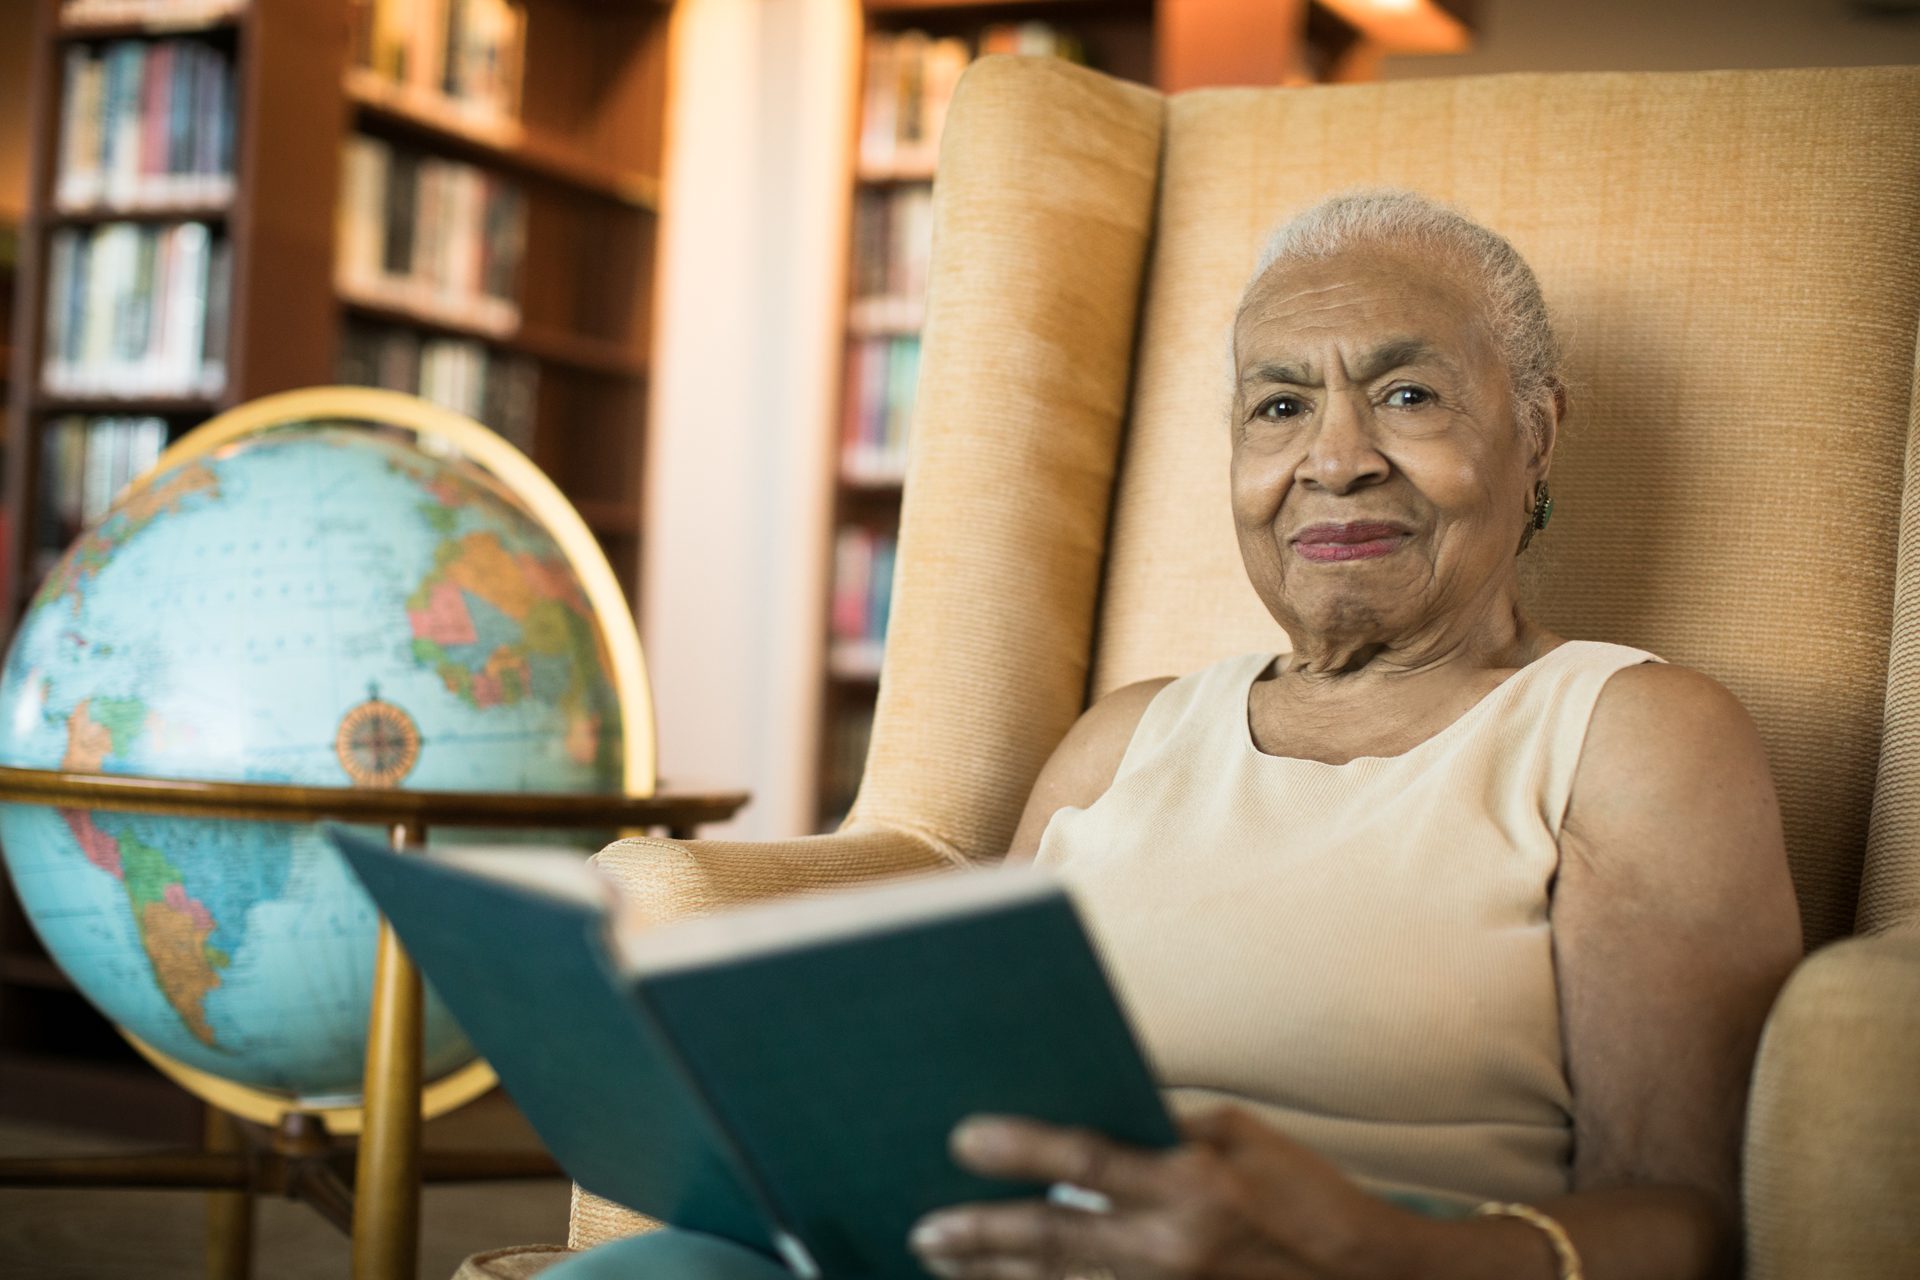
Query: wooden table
pixel 384 1205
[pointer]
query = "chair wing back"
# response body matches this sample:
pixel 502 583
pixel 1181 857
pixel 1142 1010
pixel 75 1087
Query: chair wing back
pixel 1733 260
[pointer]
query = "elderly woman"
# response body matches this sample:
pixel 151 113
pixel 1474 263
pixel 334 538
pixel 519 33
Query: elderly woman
pixel 1437 912
pixel 1438 906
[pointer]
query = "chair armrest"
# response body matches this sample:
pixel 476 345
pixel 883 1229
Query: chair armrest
pixel 677 878
pixel 1833 1129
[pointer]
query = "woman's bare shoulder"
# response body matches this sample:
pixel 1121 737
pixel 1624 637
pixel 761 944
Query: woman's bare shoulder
pixel 1670 748
pixel 1082 767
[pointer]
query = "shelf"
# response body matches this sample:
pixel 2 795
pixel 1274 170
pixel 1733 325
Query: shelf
pixel 553 346
pixel 892 177
pixel 575 351
pixel 856 661
pixel 609 518
pixel 159 406
pixel 885 317
pixel 210 211
pixel 505 144
pixel 120 21
pixel 874 484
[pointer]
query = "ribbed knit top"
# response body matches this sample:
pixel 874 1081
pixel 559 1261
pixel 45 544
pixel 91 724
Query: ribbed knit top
pixel 1360 952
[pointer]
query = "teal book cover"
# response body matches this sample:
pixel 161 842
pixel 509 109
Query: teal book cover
pixel 784 1075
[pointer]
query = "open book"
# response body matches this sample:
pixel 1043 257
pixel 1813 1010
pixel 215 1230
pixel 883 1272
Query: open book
pixel 783 1075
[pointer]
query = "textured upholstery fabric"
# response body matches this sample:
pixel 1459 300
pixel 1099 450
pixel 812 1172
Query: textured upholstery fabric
pixel 1041 229
pixel 1735 261
pixel 1833 1167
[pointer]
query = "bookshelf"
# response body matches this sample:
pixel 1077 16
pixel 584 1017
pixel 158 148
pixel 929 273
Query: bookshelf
pixel 212 141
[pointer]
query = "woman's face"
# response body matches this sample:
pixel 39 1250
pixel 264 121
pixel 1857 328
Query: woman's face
pixel 1380 483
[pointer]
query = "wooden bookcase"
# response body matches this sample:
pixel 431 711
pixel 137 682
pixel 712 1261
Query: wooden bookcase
pixel 1116 37
pixel 585 151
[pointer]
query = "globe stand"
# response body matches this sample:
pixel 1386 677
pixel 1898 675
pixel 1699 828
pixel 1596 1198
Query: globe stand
pixel 297 1155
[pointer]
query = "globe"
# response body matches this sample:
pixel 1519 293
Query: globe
pixel 322 603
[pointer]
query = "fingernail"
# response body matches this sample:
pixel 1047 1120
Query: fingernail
pixel 929 1233
pixel 976 1138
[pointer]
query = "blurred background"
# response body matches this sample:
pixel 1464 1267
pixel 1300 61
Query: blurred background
pixel 676 252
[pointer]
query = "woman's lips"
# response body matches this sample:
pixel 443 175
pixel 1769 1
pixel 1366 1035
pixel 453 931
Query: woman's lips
pixel 1361 540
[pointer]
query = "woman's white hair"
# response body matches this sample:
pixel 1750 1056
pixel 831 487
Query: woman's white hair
pixel 1515 311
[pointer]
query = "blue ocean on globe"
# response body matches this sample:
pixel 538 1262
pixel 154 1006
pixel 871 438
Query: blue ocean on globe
pixel 321 604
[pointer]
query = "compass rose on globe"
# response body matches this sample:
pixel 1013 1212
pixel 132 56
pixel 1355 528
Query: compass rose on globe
pixel 378 742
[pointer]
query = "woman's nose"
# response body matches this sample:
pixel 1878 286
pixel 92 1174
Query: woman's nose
pixel 1341 455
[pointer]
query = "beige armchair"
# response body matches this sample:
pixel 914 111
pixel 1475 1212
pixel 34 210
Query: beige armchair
pixel 1735 261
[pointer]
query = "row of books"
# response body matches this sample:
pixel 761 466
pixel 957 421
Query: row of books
pixel 85 463
pixel 137 309
pixel 466 376
pixel 882 374
pixel 892 252
pixel 862 599
pixel 464 53
pixel 145 123
pixel 430 235
pixel 910 78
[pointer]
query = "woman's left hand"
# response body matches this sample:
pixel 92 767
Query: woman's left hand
pixel 1236 1199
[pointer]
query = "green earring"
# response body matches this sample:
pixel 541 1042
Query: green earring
pixel 1537 519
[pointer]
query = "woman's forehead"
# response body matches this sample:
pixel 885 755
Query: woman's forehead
pixel 1363 302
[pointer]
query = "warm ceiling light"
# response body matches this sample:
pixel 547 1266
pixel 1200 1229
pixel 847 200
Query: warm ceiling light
pixel 1405 26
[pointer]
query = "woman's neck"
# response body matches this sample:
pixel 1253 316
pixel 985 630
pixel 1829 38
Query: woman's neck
pixel 1497 636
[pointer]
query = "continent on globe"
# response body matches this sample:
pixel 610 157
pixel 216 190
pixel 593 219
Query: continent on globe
pixel 138 509
pixel 173 926
pixel 499 626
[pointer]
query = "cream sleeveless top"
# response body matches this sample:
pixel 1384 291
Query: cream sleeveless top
pixel 1362 953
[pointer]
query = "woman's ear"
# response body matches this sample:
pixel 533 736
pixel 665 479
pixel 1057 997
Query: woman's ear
pixel 1549 411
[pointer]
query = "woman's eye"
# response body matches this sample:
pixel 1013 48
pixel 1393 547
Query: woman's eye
pixel 1279 409
pixel 1408 397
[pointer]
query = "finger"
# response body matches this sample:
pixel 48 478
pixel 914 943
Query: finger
pixel 1015 1236
pixel 1027 1150
pixel 1225 1127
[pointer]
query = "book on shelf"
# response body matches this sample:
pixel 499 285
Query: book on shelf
pixel 909 82
pixel 145 124
pixel 86 461
pixel 1032 40
pixel 439 238
pixel 882 375
pixel 784 1076
pixel 137 310
pixel 486 384
pixel 910 78
pixel 862 600
pixel 892 254
pixel 466 56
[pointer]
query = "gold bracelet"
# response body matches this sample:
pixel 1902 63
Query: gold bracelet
pixel 1556 1234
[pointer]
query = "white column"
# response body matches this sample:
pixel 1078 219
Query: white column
pixel 743 403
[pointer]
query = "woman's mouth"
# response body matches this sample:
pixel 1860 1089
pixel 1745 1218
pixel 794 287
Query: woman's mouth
pixel 1361 540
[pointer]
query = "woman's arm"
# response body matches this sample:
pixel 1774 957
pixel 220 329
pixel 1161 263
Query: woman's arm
pixel 1081 768
pixel 1674 925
